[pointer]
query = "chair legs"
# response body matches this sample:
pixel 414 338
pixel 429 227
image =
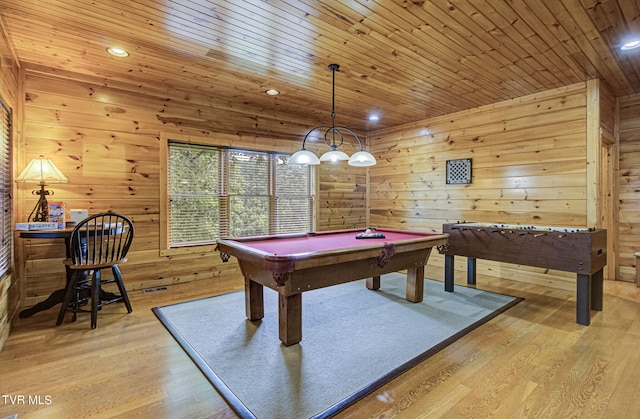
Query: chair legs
pixel 71 291
pixel 96 286
pixel 77 292
pixel 123 292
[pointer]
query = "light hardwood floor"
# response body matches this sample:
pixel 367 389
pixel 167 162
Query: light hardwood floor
pixel 532 361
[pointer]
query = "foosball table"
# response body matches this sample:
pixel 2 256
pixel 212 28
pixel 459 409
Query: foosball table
pixel 579 250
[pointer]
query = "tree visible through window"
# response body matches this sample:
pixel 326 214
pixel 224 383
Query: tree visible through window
pixel 249 195
pixel 218 192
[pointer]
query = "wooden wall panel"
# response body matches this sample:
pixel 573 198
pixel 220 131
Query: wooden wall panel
pixel 629 184
pixel 106 141
pixel 177 107
pixel 608 177
pixel 607 110
pixel 342 194
pixel 529 167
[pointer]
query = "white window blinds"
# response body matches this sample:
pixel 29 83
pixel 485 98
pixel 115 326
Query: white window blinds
pixel 248 180
pixel 5 189
pixel 216 192
pixel 293 197
pixel 194 194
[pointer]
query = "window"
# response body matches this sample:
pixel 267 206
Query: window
pixel 249 193
pixel 194 191
pixel 217 192
pixel 5 189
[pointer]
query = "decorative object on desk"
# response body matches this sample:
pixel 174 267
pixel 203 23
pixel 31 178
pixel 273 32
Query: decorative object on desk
pixel 458 171
pixel 77 215
pixel 41 171
pixel 57 214
pixel 334 138
pixel 350 350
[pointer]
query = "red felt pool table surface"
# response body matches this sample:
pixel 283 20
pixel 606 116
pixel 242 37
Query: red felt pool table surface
pixel 325 241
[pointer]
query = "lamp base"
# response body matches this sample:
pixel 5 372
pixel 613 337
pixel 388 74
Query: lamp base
pixel 40 212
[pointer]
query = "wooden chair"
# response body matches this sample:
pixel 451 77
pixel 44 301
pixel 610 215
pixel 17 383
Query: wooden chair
pixel 98 242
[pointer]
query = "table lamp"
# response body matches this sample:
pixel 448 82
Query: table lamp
pixel 41 171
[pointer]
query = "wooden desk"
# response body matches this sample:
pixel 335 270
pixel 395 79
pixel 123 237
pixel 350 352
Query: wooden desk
pixel 57 296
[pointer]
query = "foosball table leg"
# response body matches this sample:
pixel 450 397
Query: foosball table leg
pixel 449 267
pixel 583 297
pixel 597 290
pixel 471 271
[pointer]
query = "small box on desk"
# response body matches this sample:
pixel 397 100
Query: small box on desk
pixel 57 214
pixel 37 226
pixel 77 215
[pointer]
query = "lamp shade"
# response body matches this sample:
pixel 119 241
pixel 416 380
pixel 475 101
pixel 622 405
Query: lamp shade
pixel 304 157
pixel 41 171
pixel 362 159
pixel 334 155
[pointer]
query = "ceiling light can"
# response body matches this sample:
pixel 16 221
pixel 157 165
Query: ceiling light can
pixel 118 52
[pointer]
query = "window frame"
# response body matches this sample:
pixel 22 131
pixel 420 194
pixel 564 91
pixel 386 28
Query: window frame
pixel 221 141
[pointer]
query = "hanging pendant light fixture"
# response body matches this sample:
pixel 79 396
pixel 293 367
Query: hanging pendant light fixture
pixel 334 138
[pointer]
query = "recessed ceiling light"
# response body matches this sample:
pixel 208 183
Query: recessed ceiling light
pixel 118 52
pixel 631 45
pixel 272 92
pixel 374 118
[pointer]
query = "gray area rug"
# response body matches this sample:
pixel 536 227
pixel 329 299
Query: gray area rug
pixel 354 340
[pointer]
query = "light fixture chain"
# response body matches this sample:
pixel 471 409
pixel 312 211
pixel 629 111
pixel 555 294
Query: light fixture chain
pixel 334 68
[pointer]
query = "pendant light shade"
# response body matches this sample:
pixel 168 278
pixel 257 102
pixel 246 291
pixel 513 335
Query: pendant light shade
pixel 334 155
pixel 304 157
pixel 362 159
pixel 334 138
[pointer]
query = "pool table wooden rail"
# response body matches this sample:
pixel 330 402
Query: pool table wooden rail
pixel 281 265
pixel 308 275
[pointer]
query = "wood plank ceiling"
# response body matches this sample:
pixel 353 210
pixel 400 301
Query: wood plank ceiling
pixel 403 60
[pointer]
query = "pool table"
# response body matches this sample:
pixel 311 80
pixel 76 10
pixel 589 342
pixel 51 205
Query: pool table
pixel 294 263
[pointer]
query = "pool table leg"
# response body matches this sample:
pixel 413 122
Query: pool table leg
pixel 290 318
pixel 253 299
pixel 373 283
pixel 415 284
